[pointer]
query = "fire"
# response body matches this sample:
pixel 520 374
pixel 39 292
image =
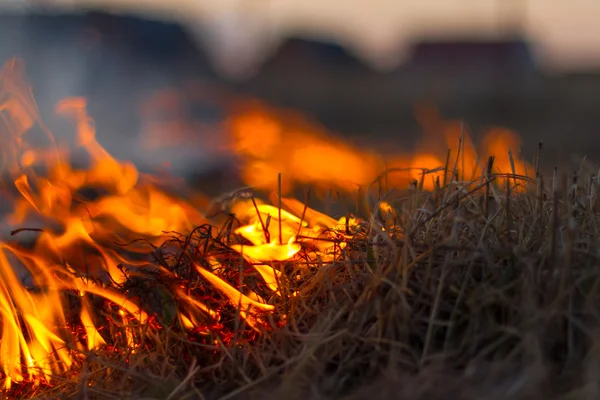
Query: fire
pixel 270 143
pixel 90 246
pixel 75 257
pixel 300 152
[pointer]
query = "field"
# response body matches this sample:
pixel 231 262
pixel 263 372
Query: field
pixel 452 273
pixel 438 294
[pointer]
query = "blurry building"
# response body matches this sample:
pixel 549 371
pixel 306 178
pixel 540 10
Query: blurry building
pixel 447 70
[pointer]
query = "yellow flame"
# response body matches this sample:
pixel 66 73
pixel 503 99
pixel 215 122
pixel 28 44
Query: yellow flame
pixel 78 235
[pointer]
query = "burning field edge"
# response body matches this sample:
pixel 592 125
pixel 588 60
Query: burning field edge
pixel 446 284
pixel 437 294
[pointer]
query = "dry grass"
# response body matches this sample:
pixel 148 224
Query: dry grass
pixel 490 293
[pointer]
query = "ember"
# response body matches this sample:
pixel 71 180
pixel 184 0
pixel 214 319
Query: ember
pixel 88 279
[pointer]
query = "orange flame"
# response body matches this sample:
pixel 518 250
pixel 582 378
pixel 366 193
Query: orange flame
pixel 300 152
pixel 78 236
pixel 75 254
pixel 36 340
pixel 270 143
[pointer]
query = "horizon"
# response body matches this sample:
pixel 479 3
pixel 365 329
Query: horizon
pixel 564 35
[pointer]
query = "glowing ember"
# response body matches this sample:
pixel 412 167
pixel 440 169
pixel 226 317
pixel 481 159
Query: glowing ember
pixel 51 290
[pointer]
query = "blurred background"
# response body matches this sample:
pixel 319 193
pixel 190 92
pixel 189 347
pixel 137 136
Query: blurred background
pixel 160 75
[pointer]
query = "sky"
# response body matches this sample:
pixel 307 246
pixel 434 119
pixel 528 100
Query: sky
pixel 566 32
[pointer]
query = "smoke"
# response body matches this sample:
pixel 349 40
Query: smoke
pixel 118 65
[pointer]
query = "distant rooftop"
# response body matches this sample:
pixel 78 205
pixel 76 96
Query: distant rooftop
pixel 456 53
pixel 314 51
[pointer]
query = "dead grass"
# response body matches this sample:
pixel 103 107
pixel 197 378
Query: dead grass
pixel 489 293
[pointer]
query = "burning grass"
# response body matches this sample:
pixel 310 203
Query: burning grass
pixel 435 294
pixel 471 281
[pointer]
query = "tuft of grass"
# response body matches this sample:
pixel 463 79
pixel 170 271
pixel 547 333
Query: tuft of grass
pixel 482 289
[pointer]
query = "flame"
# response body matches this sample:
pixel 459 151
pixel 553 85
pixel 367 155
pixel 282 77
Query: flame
pixel 499 139
pixel 300 152
pixel 74 256
pixel 50 289
pixel 235 296
pixel 271 143
pixel 36 340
